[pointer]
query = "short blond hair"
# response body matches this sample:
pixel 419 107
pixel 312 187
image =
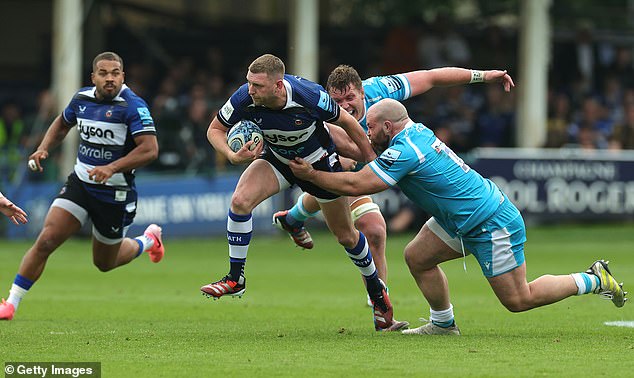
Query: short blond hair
pixel 268 64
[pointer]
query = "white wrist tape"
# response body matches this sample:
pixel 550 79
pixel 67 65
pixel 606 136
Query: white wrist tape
pixel 477 76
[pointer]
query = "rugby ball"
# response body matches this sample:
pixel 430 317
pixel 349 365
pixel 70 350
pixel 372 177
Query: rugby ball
pixel 241 133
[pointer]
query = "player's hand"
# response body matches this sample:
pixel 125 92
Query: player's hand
pixel 497 76
pixel 35 160
pixel 12 212
pixel 347 164
pixel 101 174
pixel 301 169
pixel 244 155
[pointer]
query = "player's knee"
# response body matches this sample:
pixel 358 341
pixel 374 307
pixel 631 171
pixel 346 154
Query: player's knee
pixel 515 304
pixel 46 244
pixel 374 233
pixel 347 239
pixel 413 259
pixel 104 266
pixel 241 204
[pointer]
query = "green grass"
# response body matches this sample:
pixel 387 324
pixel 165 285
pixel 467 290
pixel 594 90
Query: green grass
pixel 304 314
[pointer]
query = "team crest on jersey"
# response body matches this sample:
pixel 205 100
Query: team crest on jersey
pixel 109 113
pixel 298 122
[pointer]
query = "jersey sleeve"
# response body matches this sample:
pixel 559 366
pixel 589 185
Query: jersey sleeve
pixel 139 119
pixel 395 163
pixel 233 110
pixel 396 87
pixel 68 115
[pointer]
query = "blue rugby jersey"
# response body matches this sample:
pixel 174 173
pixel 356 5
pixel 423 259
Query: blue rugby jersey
pixel 298 129
pixel 437 180
pixel 106 131
pixel 377 88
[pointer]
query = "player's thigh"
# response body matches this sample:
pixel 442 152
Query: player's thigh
pixel 59 225
pixel 498 243
pixel 338 219
pixel 510 286
pixel 257 183
pixel 430 247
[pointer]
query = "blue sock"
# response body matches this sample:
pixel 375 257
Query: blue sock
pixel 362 258
pixel 23 282
pixel 298 213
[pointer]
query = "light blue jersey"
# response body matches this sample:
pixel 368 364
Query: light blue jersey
pixel 437 180
pixel 379 87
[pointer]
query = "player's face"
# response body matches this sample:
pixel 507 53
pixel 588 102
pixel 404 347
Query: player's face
pixel 108 79
pixel 351 100
pixel 263 89
pixel 377 135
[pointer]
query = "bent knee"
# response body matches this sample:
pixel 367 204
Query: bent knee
pixel 516 304
pixel 104 266
pixel 241 204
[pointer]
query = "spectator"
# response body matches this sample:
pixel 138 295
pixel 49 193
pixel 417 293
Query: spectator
pixel 12 138
pixel 592 124
pixel 495 121
pixel 622 137
pixel 559 119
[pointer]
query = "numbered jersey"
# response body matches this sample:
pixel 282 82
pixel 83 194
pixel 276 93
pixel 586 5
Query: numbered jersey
pixel 106 132
pixel 379 87
pixel 437 180
pixel 297 130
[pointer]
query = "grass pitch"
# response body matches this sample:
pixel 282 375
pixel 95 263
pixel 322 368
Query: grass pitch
pixel 304 314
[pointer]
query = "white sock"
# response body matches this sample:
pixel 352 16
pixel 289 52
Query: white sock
pixel 586 283
pixel 15 295
pixel 145 242
pixel 442 318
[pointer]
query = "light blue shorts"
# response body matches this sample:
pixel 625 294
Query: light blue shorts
pixel 497 243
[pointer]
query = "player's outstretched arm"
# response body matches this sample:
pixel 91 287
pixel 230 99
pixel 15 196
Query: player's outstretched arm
pixel 423 80
pixel 11 211
pixel 358 183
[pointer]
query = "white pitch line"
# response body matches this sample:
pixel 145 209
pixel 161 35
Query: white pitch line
pixel 621 323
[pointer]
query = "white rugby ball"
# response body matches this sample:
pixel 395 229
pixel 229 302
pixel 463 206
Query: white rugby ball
pixel 241 133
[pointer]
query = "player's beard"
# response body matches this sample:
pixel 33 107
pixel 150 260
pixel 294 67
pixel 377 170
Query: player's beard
pixel 380 145
pixel 108 93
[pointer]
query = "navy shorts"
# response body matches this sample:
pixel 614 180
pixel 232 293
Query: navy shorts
pixel 329 163
pixel 111 220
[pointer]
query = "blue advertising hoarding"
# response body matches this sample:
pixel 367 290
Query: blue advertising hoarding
pixel 562 184
pixel 183 206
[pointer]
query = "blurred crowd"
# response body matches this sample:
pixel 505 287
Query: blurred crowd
pixel 590 98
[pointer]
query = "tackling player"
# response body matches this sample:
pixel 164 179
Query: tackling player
pixel 117 135
pixel 11 211
pixel 470 214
